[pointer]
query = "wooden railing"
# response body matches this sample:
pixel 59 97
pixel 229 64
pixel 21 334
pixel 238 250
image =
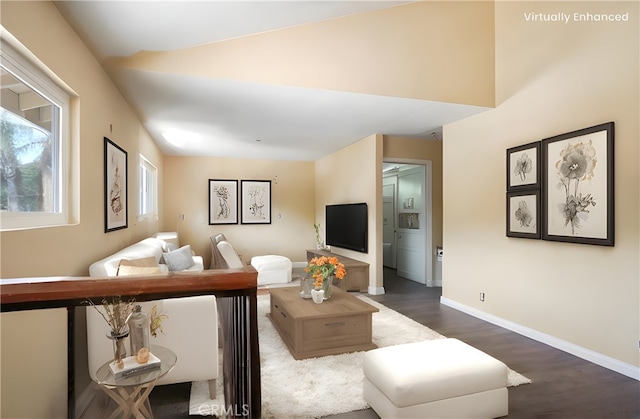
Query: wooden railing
pixel 235 288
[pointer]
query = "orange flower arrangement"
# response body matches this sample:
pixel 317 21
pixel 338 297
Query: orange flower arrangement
pixel 323 267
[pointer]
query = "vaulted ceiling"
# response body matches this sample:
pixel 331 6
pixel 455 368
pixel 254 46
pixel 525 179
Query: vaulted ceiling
pixel 287 80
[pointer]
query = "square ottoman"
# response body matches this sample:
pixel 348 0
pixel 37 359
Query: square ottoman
pixel 272 269
pixel 442 378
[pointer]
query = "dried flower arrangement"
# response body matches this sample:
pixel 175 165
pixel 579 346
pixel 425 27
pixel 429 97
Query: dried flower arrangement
pixel 116 313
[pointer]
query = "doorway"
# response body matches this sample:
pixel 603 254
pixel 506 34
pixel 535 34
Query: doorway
pixel 407 233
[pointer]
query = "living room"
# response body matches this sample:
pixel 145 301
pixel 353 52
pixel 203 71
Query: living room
pixel 546 79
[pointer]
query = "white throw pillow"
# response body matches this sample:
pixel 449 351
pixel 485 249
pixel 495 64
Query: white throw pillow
pixel 179 260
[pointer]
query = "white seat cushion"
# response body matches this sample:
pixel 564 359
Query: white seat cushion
pixel 423 372
pixel 271 263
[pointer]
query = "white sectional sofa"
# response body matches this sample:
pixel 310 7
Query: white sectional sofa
pixel 191 329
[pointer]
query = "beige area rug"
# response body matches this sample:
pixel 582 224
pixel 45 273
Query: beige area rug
pixel 311 388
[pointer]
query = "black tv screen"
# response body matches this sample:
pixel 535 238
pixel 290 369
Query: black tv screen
pixel 347 226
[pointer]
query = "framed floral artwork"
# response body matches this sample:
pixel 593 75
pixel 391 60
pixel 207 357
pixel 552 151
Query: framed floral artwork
pixel 523 214
pixel 115 187
pixel 523 167
pixel 256 202
pixel 578 186
pixel 223 201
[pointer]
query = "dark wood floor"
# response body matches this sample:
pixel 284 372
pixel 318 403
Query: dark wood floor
pixel 564 386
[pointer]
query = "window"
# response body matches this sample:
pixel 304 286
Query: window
pixel 148 186
pixel 34 144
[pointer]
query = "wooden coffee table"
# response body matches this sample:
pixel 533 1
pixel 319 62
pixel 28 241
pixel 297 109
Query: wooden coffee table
pixel 339 325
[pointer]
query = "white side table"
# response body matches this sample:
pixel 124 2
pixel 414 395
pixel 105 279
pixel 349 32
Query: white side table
pixel 131 393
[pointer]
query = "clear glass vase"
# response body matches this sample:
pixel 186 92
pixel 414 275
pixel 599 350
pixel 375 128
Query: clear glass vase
pixel 306 285
pixel 119 348
pixel 326 286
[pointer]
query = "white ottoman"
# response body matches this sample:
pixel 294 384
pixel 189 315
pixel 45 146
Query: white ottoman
pixel 442 378
pixel 272 269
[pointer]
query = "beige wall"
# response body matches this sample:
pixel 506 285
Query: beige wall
pixel 40 336
pixel 292 199
pixel 551 78
pixel 408 149
pixel 354 174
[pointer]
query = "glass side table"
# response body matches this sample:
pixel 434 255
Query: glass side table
pixel 131 393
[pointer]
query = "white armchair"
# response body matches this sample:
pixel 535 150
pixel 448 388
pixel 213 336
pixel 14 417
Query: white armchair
pixel 190 331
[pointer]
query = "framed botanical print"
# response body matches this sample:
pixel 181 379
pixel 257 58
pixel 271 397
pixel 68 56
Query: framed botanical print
pixel 523 167
pixel 523 214
pixel 256 202
pixel 115 187
pixel 578 186
pixel 223 201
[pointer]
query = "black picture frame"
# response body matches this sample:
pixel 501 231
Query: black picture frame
pixel 578 186
pixel 223 201
pixel 255 202
pixel 116 175
pixel 523 167
pixel 523 214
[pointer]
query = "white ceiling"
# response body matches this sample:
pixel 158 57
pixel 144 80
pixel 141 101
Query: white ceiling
pixel 208 117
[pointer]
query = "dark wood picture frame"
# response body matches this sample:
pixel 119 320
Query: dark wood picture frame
pixel 116 175
pixel 578 186
pixel 223 201
pixel 523 214
pixel 255 201
pixel 523 167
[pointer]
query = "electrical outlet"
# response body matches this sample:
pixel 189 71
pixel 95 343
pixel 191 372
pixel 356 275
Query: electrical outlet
pixel 482 296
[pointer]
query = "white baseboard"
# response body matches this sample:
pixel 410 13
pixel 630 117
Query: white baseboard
pixel 579 351
pixel 375 290
pixel 299 265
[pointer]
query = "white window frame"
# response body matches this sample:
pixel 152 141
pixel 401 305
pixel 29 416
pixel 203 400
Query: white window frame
pixel 147 199
pixel 25 66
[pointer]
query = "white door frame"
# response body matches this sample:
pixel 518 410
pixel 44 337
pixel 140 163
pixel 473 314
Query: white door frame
pixel 394 238
pixel 428 206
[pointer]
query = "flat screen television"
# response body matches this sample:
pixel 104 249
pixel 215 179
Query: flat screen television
pixel 347 226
